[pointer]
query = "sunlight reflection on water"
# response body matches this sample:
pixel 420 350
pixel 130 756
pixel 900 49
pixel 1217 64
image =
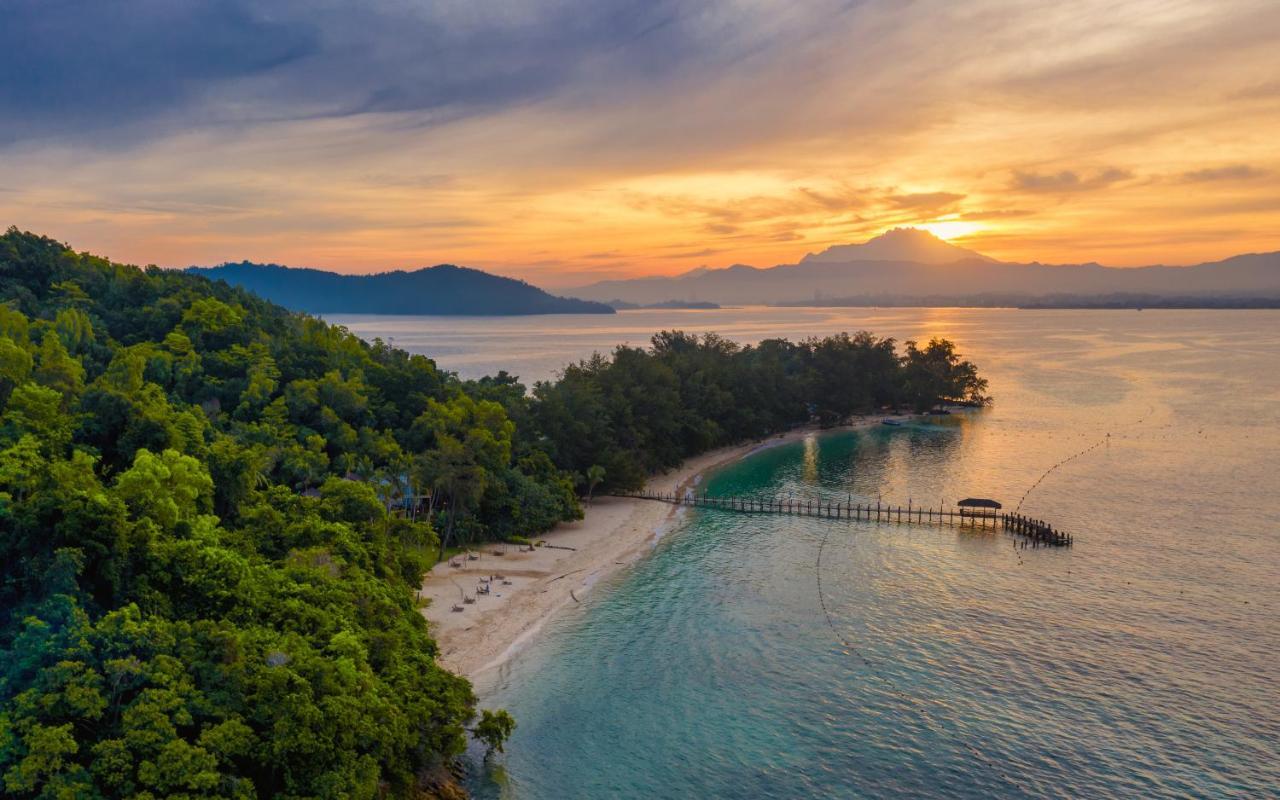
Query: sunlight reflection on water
pixel 1141 662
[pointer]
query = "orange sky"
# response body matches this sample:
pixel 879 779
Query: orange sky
pixel 747 132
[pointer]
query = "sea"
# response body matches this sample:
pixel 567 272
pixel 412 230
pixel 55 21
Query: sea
pixel 780 657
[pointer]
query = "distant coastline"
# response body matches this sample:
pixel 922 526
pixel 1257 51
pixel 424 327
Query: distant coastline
pixel 676 305
pixel 1118 302
pixel 443 290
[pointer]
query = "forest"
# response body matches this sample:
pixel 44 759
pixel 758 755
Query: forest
pixel 214 515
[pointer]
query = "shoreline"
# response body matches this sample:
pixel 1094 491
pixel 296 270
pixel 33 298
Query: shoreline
pixel 615 532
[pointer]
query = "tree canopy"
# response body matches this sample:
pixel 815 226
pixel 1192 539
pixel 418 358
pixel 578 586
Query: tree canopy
pixel 214 515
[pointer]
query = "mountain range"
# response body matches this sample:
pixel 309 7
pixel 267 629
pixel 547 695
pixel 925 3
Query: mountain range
pixel 443 290
pixel 904 266
pixel 911 266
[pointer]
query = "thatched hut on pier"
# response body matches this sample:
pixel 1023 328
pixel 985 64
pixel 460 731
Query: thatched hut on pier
pixel 979 508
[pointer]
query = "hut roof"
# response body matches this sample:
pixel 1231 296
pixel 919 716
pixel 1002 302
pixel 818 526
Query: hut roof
pixel 978 502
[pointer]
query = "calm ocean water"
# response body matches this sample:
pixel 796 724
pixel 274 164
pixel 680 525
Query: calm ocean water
pixel 754 657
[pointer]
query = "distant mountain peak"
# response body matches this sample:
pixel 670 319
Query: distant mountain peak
pixel 899 244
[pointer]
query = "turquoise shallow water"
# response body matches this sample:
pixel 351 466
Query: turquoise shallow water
pixel 1143 662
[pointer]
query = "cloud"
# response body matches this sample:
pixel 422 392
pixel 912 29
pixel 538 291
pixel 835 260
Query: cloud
pixel 389 132
pixel 728 213
pixel 925 201
pixel 76 67
pixel 1234 172
pixel 703 253
pixel 840 200
pixel 1068 180
pixel 73 67
pixel 1267 90
pixel 720 228
pixel 998 213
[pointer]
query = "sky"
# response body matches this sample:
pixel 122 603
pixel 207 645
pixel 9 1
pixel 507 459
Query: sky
pixel 568 141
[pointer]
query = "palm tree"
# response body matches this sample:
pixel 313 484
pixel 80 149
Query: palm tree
pixel 595 474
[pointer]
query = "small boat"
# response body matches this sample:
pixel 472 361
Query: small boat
pixel 895 423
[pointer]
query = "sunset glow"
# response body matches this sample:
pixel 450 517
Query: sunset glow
pixel 651 142
pixel 952 229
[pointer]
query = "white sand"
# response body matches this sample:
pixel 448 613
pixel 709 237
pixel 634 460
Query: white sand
pixel 614 533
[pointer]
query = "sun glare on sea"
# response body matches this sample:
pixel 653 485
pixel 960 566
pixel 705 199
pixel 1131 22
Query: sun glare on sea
pixel 951 229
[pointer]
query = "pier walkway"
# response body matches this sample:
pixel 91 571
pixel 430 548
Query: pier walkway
pixel 1035 530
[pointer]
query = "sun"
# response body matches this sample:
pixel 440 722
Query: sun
pixel 951 228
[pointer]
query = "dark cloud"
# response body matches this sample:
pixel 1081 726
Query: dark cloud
pixel 1067 180
pixel 76 67
pixel 69 66
pixel 1234 172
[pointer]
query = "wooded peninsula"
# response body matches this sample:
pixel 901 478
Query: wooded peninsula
pixel 214 515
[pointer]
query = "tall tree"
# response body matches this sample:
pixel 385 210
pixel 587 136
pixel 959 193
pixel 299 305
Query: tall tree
pixel 595 475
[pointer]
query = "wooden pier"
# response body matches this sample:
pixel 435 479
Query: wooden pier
pixel 1035 530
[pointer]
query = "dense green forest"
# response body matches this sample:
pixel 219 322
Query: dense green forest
pixel 203 590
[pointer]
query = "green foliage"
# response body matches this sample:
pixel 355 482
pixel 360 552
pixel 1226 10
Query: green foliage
pixel 935 374
pixel 73 326
pixel 494 728
pixel 57 369
pixel 166 488
pixel 595 476
pixel 176 619
pixel 15 365
pixel 214 514
pixel 646 410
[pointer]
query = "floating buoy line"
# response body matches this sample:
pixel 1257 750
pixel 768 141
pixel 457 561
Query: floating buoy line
pixel 918 703
pixel 1100 443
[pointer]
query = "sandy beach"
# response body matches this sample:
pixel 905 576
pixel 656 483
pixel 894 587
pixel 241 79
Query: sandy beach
pixel 614 533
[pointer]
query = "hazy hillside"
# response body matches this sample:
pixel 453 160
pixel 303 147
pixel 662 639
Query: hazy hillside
pixel 898 271
pixel 443 290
